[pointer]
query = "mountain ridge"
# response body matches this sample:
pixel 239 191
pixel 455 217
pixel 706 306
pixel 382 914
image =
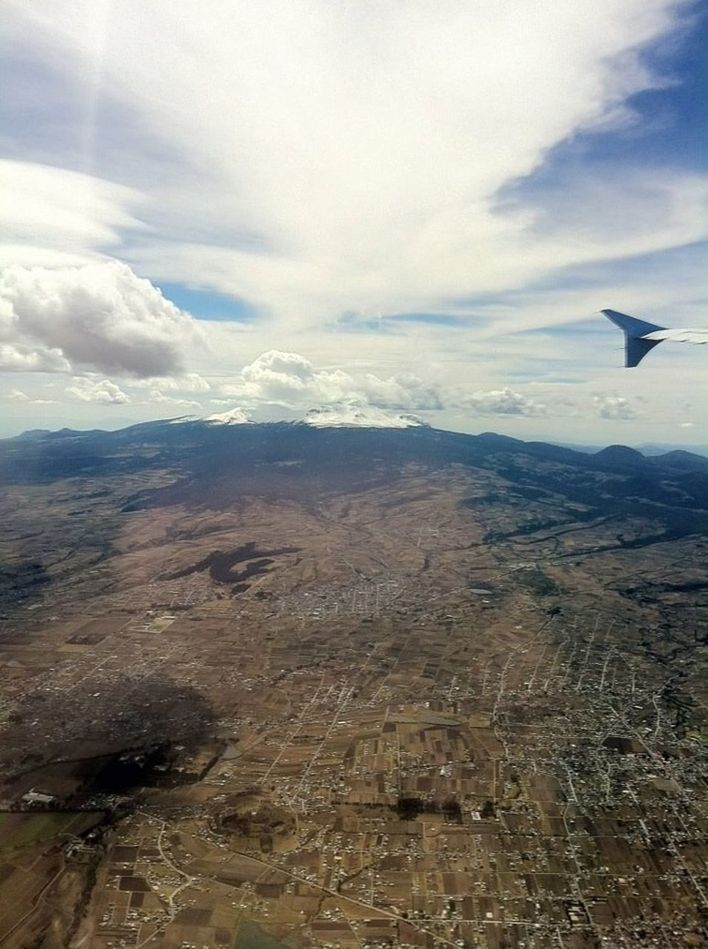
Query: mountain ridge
pixel 615 457
pixel 204 464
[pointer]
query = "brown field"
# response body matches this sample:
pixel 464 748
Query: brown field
pixel 387 717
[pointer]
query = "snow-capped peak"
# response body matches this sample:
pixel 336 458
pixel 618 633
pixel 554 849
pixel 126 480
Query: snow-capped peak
pixel 358 415
pixel 235 416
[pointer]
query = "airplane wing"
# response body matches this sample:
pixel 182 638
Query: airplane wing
pixel 640 337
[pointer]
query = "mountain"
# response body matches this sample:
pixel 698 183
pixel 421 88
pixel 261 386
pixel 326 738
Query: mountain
pixel 355 415
pixel 245 457
pixel 658 449
pixel 349 414
pixel 619 456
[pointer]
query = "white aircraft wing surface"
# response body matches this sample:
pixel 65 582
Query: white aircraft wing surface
pixel 697 337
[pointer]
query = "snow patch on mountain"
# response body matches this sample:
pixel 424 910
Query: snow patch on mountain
pixel 235 416
pixel 358 415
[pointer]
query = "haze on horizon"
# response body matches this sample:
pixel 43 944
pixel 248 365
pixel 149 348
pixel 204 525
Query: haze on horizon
pixel 413 208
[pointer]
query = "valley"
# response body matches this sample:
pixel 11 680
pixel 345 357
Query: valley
pixel 271 686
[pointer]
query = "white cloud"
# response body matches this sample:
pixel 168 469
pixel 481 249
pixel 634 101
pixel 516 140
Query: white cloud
pixel 98 316
pixel 190 382
pixel 403 391
pixel 504 402
pixel 326 157
pixel 103 390
pixel 17 395
pixel 613 406
pixel 282 377
pixel 291 380
pixel 72 214
pixel 158 397
pixel 26 359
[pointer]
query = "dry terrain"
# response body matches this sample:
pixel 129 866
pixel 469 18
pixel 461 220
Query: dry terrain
pixel 450 704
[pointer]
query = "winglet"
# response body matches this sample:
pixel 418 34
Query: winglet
pixel 635 347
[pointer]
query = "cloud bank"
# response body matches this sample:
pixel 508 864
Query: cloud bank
pixel 103 390
pixel 324 158
pixel 291 380
pixel 504 402
pixel 55 216
pixel 613 406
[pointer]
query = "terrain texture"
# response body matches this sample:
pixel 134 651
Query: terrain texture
pixel 276 686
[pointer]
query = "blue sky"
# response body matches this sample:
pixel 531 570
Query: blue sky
pixel 420 209
pixel 205 304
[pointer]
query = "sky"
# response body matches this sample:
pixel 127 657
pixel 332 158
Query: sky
pixel 397 206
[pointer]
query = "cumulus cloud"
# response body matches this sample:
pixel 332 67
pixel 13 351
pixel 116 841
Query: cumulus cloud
pixel 97 316
pixel 17 395
pixel 158 397
pixel 190 382
pixel 26 359
pixel 291 380
pixel 103 390
pixel 403 391
pixel 283 377
pixel 613 406
pixel 504 402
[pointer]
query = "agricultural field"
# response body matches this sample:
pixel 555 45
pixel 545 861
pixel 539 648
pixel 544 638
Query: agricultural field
pixel 449 707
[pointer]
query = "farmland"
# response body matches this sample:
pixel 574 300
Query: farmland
pixel 435 710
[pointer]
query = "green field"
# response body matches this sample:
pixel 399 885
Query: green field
pixel 251 936
pixel 20 830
